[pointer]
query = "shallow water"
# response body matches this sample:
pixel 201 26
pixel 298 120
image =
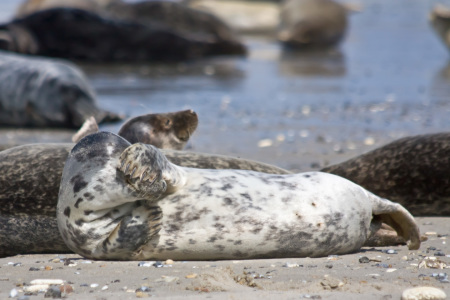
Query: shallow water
pixel 390 78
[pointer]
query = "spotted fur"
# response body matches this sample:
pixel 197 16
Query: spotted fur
pixel 149 208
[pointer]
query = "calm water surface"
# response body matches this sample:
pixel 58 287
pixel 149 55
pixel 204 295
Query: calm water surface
pixel 390 78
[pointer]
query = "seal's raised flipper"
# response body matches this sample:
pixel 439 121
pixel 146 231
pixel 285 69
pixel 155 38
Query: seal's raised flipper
pixel 396 216
pixel 149 172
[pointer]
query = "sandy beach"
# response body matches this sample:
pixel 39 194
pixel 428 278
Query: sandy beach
pixel 372 273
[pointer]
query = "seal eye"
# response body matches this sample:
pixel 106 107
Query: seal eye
pixel 168 123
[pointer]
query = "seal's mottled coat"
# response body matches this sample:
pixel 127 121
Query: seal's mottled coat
pixel 124 202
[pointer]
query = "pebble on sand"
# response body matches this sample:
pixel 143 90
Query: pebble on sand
pixel 423 293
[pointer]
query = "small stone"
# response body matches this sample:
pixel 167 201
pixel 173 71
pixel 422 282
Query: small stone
pixel 66 288
pixel 34 269
pixel 191 276
pixel 146 264
pixel 143 289
pixel 331 283
pixel 390 270
pixel 105 287
pixel 289 265
pixel 94 285
pixel 439 253
pixel 364 260
pixel 430 233
pixel 53 292
pixel 13 293
pixel 390 251
pixel 36 288
pixel 169 262
pixel 142 295
pixel 329 266
pixel 265 143
pixel 48 268
pixel 46 281
pixel 423 293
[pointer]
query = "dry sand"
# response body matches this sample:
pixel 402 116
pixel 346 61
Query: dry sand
pixel 385 276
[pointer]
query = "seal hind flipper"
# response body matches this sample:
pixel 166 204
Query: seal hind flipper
pixel 149 171
pixel 396 216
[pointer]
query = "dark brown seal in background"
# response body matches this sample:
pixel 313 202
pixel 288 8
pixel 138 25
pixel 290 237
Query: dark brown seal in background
pixel 85 35
pixel 413 171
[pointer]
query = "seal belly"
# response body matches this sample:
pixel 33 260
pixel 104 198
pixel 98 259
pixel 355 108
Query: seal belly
pixel 241 215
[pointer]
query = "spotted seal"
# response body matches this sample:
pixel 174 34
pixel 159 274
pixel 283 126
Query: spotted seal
pixel 40 92
pixel 83 35
pixel 119 201
pixel 312 23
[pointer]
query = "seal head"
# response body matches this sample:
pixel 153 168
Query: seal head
pixel 165 131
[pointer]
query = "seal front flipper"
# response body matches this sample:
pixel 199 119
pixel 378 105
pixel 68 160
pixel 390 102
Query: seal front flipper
pixel 135 233
pixel 149 172
pixel 396 216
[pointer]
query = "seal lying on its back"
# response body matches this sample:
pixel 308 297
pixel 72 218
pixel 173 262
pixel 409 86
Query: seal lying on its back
pixel 39 92
pixel 312 23
pixel 124 202
pixel 413 171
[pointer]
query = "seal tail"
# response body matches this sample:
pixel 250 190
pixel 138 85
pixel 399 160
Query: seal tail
pixel 396 216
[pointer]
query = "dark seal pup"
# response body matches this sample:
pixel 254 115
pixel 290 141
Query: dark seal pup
pixel 86 36
pixel 306 24
pixel 40 92
pixel 128 202
pixel 413 171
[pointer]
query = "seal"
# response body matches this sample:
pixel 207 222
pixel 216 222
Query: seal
pixel 128 202
pixel 34 208
pixel 412 171
pixel 440 21
pixel 83 35
pixel 39 92
pixel 312 23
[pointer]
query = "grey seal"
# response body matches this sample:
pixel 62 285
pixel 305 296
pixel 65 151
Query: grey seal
pixel 413 171
pixel 119 201
pixel 22 168
pixel 40 92
pixel 312 23
pixel 83 35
